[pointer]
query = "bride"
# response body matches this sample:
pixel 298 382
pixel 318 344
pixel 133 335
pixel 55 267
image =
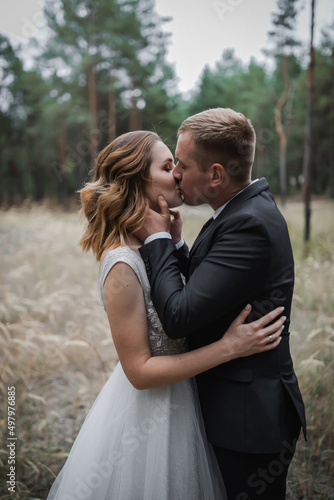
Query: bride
pixel 143 438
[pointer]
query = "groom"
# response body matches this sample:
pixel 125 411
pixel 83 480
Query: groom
pixel 252 406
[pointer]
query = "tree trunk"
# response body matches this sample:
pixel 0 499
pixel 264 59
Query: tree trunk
pixel 1 177
pixel 308 137
pixel 318 165
pixel 112 114
pixel 280 129
pixel 15 181
pixel 331 176
pixel 139 119
pixel 63 184
pixel 282 167
pixel 11 183
pixel 331 153
pixel 260 161
pixel 92 96
pixel 39 184
pixel 133 124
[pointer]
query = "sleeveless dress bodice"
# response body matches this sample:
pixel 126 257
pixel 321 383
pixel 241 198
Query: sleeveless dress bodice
pixel 159 343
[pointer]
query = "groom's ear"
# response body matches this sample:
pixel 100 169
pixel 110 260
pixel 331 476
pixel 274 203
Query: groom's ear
pixel 217 174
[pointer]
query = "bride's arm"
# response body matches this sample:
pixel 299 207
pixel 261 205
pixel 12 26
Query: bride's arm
pixel 128 323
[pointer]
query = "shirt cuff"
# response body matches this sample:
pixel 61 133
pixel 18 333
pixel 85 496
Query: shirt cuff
pixel 156 236
pixel 179 244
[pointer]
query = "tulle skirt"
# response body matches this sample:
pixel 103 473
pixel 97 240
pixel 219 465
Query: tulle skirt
pixel 141 445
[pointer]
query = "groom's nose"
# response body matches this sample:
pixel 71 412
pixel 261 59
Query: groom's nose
pixel 177 173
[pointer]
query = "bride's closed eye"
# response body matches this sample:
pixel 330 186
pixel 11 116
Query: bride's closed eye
pixel 168 168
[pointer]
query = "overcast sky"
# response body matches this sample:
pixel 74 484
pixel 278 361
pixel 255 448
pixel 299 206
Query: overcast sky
pixel 201 29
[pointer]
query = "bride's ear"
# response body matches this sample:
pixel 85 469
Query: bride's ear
pixel 217 174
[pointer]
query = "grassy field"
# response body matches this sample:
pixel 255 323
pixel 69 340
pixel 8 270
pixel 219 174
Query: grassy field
pixel 57 351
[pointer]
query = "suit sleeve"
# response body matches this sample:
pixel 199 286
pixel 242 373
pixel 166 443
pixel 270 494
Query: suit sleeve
pixel 233 271
pixel 182 255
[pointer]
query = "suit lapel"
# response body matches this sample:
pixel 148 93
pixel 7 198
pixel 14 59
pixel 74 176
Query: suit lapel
pixel 204 232
pixel 251 191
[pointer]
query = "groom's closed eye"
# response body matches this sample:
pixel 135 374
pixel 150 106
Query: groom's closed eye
pixel 178 163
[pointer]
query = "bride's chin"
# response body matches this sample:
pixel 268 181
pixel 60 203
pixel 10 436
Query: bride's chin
pixel 172 203
pixel 178 202
pixel 176 205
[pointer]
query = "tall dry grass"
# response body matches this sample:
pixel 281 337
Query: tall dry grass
pixel 56 348
pixel 55 344
pixel 312 471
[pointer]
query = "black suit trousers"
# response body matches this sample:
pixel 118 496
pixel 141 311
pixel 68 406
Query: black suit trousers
pixel 259 476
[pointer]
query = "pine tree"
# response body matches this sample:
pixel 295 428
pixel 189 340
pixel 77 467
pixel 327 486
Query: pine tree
pixel 308 134
pixel 284 43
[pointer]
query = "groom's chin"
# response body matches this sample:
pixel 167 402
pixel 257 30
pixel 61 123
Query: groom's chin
pixel 192 203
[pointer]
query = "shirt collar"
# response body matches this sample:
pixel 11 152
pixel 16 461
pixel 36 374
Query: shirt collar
pixel 220 209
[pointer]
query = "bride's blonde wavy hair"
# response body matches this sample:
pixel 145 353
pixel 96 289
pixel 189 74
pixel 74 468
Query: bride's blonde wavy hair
pixel 114 201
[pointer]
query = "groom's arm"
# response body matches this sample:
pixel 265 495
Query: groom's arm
pixel 182 250
pixel 233 271
pixel 182 255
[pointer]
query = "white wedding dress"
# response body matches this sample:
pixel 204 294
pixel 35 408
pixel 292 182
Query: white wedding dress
pixel 141 445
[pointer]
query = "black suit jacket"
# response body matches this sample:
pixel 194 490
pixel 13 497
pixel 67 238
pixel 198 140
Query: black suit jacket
pixel 250 404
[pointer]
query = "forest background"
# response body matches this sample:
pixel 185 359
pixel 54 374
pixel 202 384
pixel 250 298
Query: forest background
pixel 100 71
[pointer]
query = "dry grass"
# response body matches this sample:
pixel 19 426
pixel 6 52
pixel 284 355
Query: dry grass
pixel 57 350
pixel 56 346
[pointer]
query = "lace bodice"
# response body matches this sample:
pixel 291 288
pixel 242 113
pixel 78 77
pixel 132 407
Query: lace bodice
pixel 159 343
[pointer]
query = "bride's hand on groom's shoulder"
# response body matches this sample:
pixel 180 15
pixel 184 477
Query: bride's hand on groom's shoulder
pixel 246 339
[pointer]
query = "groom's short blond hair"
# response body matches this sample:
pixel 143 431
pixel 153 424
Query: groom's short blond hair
pixel 223 136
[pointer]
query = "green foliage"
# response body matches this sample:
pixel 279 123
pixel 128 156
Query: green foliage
pixel 284 22
pixel 102 71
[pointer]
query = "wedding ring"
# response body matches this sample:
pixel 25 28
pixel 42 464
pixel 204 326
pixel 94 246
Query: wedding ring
pixel 270 338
